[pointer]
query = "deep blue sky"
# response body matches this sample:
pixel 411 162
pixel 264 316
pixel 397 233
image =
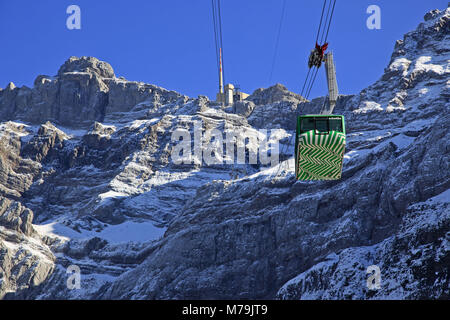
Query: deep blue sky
pixel 170 42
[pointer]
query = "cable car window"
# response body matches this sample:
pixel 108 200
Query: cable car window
pixel 322 125
pixel 336 124
pixel 307 125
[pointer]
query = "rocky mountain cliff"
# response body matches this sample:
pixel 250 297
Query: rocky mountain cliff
pixel 87 179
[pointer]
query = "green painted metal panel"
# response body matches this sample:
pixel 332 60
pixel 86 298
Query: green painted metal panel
pixel 319 155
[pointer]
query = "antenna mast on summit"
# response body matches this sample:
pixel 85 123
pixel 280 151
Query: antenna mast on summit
pixel 217 21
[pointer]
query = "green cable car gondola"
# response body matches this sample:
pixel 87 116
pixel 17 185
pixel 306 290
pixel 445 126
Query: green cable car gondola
pixel 319 147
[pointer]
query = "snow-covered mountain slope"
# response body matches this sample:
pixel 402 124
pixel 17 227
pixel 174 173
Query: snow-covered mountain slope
pixel 86 158
pixel 413 262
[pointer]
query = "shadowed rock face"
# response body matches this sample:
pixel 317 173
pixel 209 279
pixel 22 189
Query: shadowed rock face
pixel 24 261
pixel 254 236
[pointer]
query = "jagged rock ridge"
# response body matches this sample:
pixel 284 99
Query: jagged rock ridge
pixel 225 231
